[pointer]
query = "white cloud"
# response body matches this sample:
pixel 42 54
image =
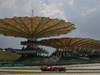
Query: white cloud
pixel 88 12
pixel 53 10
pixel 71 3
pixel 8 4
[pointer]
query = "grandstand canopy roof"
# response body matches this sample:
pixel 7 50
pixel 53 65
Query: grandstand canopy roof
pixel 34 27
pixel 72 42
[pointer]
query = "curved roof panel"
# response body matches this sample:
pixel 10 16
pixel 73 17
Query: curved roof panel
pixel 34 27
pixel 72 42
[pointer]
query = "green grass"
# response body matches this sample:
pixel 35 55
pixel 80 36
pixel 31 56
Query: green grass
pixel 8 56
pixel 81 60
pixel 20 68
pixel 7 72
pixel 30 60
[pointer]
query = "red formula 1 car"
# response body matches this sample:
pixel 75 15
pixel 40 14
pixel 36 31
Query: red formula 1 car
pixel 53 68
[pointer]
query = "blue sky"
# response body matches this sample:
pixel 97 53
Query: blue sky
pixel 85 14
